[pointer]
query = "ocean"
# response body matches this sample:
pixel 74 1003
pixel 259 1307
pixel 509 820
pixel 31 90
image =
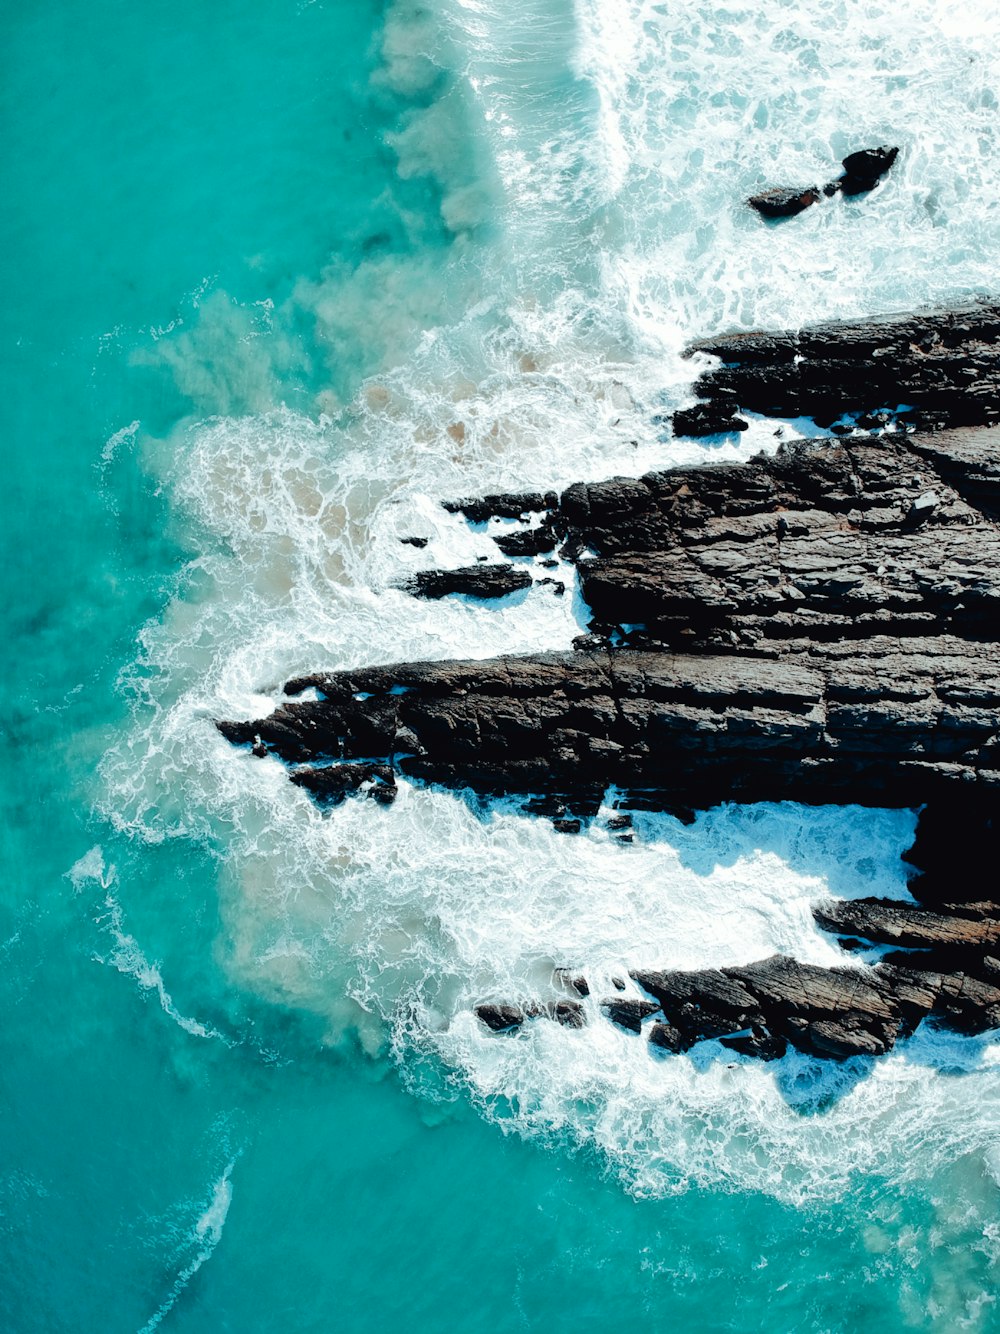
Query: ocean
pixel 282 277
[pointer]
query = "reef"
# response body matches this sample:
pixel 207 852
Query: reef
pixel 820 625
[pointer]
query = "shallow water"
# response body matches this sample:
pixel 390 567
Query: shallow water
pixel 279 283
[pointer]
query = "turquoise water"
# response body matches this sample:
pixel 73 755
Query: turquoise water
pixel 277 278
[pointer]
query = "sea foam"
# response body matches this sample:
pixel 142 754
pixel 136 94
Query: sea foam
pixel 587 164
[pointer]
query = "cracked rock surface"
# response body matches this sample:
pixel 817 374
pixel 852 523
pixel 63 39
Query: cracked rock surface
pixel 820 626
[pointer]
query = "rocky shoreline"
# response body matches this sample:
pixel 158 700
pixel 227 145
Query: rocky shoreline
pixel 821 626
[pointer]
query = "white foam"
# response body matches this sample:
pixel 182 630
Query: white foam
pixel 204 1236
pixel 127 957
pixel 589 163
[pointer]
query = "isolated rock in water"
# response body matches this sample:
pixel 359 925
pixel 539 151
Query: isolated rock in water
pixel 477 581
pixel 864 170
pixel 501 1018
pixel 783 202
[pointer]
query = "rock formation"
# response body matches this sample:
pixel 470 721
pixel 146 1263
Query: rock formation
pixel 820 626
pixel 926 371
pixel 862 172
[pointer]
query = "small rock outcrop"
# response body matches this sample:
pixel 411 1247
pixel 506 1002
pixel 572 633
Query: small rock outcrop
pixel 862 172
pixel 476 581
pixel 783 203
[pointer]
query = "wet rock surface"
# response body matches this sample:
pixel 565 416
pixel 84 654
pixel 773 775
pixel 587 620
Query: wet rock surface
pixel 821 626
pixel 865 169
pixel 862 172
pixel 944 366
pixel 783 202
pixel 476 581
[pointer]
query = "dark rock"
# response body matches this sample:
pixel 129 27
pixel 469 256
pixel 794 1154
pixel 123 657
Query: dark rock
pixel 817 626
pixel 873 421
pixel 864 170
pixel 886 922
pixel 851 1035
pixel 758 1042
pixel 706 988
pixel 506 505
pixel 557 586
pixel 477 581
pixel 332 784
pixel 566 826
pixel 530 542
pixel 501 1018
pixel 568 1013
pixel 576 982
pixel 418 542
pixel 667 1037
pixel 946 365
pixel 619 822
pixel 628 1013
pixel 782 202
pixel 708 419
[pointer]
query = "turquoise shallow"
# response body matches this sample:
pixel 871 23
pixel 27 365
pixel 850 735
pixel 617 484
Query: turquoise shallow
pixel 278 277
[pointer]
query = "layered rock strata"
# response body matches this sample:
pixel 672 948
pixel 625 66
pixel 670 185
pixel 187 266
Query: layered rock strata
pixel 932 370
pixel 819 626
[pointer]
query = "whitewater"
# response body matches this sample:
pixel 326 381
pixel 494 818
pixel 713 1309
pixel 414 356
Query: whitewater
pixel 590 162
pixel 243 1080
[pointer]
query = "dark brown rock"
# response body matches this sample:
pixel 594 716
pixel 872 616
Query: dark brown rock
pixel 501 1018
pixel 783 202
pixel 529 542
pixel 974 927
pixel 505 505
pixel 946 365
pixel 708 419
pixel 667 1038
pixel 821 625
